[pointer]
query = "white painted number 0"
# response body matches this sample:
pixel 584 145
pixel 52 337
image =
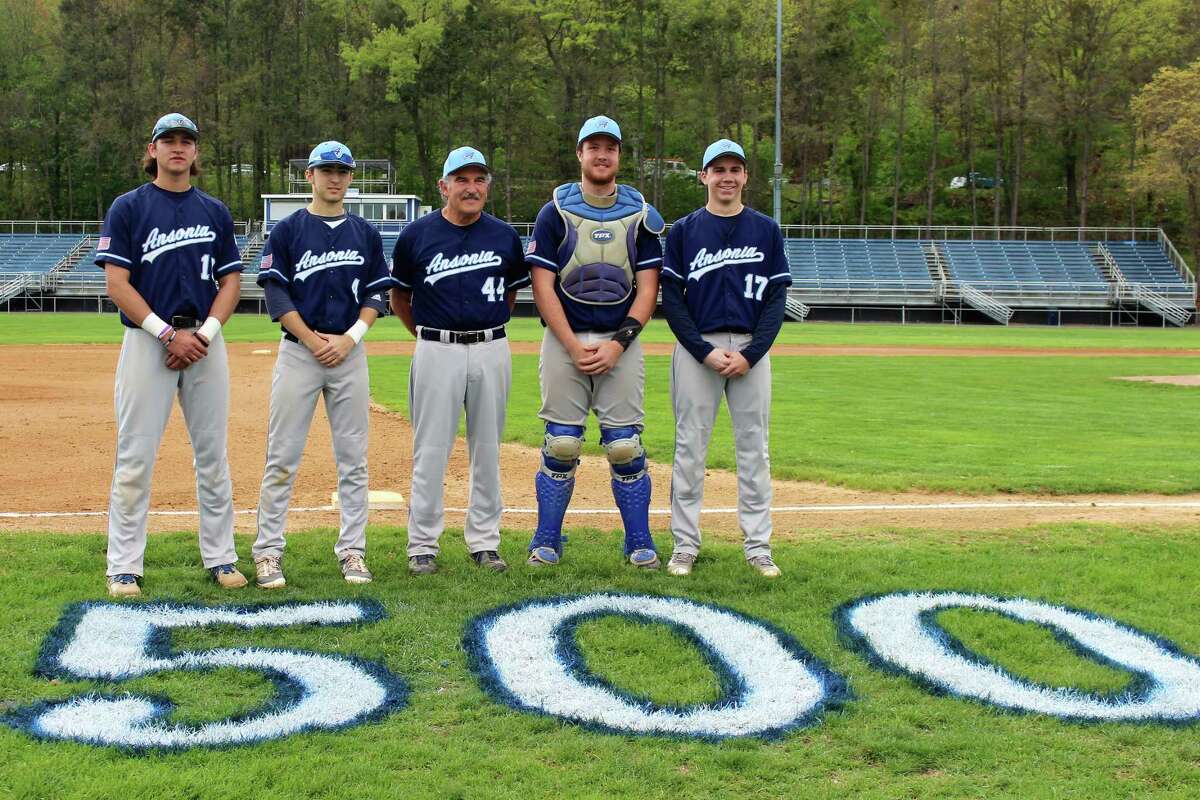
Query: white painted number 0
pixel 753 281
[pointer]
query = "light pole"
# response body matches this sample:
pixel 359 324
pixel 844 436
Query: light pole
pixel 778 181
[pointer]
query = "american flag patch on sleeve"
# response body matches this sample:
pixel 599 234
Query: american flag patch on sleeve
pixel 266 262
pixel 105 243
pixel 530 247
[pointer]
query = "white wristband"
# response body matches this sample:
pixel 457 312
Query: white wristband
pixel 210 328
pixel 154 325
pixel 358 330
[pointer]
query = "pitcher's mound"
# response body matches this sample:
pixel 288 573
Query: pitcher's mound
pixel 1174 380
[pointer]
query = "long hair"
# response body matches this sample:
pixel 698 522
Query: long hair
pixel 150 166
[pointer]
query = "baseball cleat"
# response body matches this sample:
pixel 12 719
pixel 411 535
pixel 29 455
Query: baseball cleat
pixel 422 565
pixel 681 564
pixel 765 566
pixel 489 559
pixel 543 557
pixel 269 572
pixel 354 569
pixel 644 558
pixel 227 576
pixel 124 585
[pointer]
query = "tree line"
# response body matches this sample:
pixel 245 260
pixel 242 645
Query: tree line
pixel 926 112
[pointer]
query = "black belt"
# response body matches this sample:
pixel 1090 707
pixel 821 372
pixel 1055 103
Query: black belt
pixel 462 337
pixel 180 321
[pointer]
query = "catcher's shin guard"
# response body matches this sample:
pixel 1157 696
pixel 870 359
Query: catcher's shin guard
pixel 631 491
pixel 554 484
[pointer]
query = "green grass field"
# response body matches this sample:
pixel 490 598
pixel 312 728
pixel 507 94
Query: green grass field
pixel 893 740
pixel 1059 425
pixel 88 328
pixel 971 425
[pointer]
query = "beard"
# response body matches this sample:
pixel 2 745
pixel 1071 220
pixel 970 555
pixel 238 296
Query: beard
pixel 600 174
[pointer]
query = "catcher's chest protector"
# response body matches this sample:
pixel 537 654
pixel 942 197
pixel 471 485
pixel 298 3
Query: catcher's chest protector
pixel 600 248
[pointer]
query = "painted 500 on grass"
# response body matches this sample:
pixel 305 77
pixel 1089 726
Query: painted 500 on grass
pixel 527 657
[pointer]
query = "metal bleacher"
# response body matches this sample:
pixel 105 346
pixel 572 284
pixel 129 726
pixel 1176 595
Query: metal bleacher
pixel 844 270
pixel 32 253
pixel 1146 263
pixel 1122 273
pixel 1032 274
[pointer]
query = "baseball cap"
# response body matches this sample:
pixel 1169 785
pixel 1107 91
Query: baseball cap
pixel 330 152
pixel 463 157
pixel 722 147
pixel 173 122
pixel 597 126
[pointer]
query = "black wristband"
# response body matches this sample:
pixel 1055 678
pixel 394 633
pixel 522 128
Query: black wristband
pixel 629 330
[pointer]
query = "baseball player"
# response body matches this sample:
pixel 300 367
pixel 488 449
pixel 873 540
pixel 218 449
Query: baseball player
pixel 725 281
pixel 458 273
pixel 323 272
pixel 171 266
pixel 596 255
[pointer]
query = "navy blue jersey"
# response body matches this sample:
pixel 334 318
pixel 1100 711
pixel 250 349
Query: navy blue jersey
pixel 329 271
pixel 175 246
pixel 459 274
pixel 548 234
pixel 725 265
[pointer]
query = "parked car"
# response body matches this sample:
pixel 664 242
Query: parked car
pixel 978 179
pixel 669 166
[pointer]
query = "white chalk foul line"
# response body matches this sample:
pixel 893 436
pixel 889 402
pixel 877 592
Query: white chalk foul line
pixel 814 509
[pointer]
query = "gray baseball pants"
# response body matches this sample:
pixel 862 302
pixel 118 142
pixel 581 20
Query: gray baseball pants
pixel 299 379
pixel 444 379
pixel 144 394
pixel 696 392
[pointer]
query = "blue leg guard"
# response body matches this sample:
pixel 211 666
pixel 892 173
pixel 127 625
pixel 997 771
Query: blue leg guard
pixel 631 491
pixel 554 484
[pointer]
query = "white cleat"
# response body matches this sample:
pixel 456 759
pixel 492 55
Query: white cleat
pixel 681 564
pixel 269 573
pixel 765 566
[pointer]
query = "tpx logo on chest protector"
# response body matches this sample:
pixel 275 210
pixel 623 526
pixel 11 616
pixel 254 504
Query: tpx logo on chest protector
pixel 602 235
pixel 310 264
pixel 158 243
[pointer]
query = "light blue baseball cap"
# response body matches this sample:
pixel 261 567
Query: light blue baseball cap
pixel 599 126
pixel 331 153
pixel 173 122
pixel 722 147
pixel 463 157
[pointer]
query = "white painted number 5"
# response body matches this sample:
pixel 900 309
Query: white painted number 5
pixel 109 642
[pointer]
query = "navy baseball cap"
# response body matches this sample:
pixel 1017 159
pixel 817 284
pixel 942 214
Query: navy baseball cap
pixel 722 147
pixel 173 122
pixel 331 154
pixel 463 157
pixel 599 126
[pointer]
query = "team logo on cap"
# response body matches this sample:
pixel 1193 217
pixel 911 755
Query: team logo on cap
pixel 602 235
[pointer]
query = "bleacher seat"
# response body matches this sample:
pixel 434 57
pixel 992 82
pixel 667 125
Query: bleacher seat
pixel 1146 263
pixel 1043 268
pixel 858 264
pixel 35 253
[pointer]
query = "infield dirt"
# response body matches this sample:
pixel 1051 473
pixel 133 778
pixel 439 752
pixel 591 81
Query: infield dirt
pixel 57 437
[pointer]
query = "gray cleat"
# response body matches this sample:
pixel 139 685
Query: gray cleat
pixel 354 569
pixel 422 565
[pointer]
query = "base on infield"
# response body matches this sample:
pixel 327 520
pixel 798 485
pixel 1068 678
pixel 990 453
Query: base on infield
pixel 377 500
